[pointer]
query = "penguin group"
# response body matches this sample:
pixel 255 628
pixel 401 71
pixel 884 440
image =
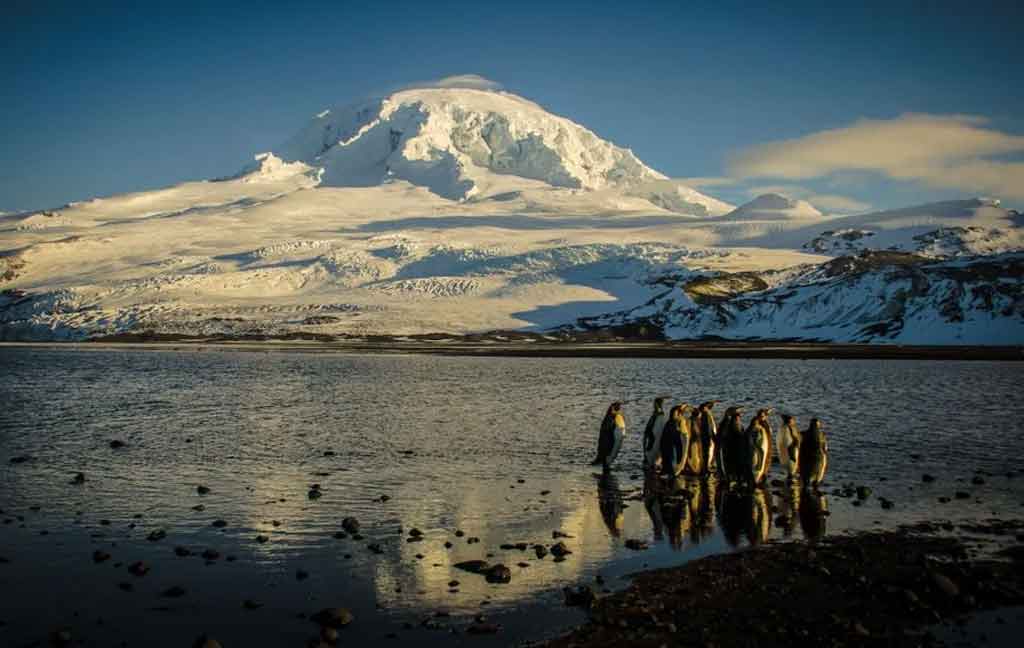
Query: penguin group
pixel 686 441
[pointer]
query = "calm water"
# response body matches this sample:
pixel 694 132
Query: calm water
pixel 496 447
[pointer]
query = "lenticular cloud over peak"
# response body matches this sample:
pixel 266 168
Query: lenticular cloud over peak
pixel 467 81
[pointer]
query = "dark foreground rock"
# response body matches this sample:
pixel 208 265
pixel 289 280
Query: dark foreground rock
pixel 877 589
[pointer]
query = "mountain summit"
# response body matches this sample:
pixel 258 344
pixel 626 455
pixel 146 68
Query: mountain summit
pixel 469 143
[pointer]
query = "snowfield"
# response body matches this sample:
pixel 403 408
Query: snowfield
pixel 458 211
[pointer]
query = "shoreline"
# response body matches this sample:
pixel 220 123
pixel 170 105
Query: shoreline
pixel 874 588
pixel 531 348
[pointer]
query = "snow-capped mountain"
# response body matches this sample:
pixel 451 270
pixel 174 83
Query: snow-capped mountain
pixel 463 143
pixel 455 211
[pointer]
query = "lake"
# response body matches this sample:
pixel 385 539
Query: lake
pixel 495 448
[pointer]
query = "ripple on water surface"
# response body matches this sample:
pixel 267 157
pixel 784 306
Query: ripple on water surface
pixel 498 448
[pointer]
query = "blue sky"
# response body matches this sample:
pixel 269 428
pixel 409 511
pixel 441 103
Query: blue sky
pixel 104 98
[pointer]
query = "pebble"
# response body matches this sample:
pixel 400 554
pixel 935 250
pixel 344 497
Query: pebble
pixel 301 574
pixel 173 592
pixel 338 617
pixel 138 568
pixel 202 490
pixel 116 443
pixel 926 478
pixel 350 524
pixel 154 536
pixel 498 574
pixel 945 585
pixel 79 478
pixel 100 556
pixel 559 550
pixel 250 604
pixel 204 641
pixel 220 524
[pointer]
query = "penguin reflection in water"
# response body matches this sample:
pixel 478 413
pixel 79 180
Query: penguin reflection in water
pixel 613 430
pixel 609 500
pixel 744 514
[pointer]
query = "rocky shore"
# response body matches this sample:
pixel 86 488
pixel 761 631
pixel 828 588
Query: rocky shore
pixel 879 589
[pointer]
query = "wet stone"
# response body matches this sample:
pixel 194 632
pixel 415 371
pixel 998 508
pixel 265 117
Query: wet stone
pixel 498 574
pixel 202 490
pixel 350 524
pixel 138 568
pixel 100 556
pixel 559 550
pixel 635 545
pixel 220 524
pixel 473 566
pixel 116 444
pixel 338 617
pixel 173 592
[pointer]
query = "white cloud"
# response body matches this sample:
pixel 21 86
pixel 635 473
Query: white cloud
pixel 951 151
pixel 473 81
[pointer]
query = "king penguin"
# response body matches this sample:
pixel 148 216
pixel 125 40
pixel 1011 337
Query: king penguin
pixel 609 440
pixel 675 441
pixel 813 454
pixel 788 443
pixel 652 434
pixel 759 435
pixel 731 445
pixel 705 428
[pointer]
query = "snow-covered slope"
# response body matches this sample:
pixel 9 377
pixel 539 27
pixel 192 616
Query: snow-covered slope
pixel 879 297
pixel 774 207
pixel 458 211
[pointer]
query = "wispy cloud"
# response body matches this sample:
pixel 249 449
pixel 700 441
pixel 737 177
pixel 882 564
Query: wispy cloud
pixel 949 151
pixel 711 181
pixel 824 202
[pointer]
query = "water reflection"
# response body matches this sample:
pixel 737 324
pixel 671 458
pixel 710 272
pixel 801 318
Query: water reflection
pixel 609 498
pixel 813 512
pixel 681 508
pixel 744 514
